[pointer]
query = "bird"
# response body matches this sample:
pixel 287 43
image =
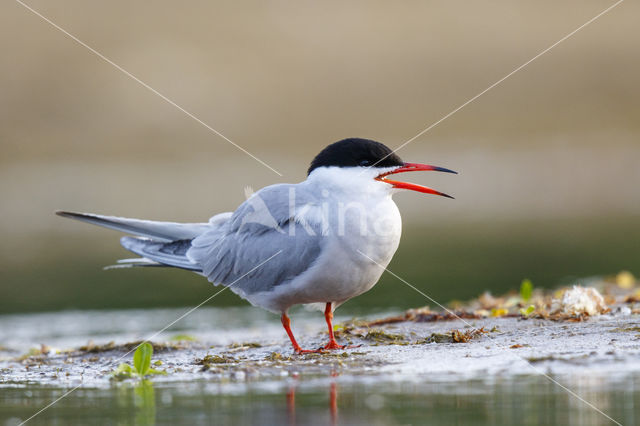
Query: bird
pixel 319 242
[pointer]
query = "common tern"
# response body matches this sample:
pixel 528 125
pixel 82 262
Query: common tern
pixel 322 241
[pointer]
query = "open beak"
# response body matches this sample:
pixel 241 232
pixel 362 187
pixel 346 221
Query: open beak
pixel 414 167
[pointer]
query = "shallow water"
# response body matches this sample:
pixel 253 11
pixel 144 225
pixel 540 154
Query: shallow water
pixel 306 398
pixel 531 400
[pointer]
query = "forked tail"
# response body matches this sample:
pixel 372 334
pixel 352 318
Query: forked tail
pixel 159 243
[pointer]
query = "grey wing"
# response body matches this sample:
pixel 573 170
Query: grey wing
pixel 261 246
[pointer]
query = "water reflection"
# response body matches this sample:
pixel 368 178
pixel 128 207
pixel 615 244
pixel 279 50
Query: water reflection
pixel 313 400
pixel 333 400
pixel 145 403
pixel 135 402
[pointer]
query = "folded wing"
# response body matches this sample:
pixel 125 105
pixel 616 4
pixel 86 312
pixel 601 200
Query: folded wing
pixel 262 228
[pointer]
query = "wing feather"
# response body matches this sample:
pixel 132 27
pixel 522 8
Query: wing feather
pixel 261 227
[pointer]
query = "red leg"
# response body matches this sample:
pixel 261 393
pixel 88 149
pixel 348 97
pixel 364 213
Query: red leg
pixel 328 316
pixel 286 323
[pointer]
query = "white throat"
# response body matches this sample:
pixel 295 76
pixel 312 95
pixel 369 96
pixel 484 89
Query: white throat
pixel 350 183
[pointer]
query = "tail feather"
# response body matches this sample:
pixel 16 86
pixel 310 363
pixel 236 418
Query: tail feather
pixel 169 254
pixel 158 231
pixel 136 262
pixel 159 243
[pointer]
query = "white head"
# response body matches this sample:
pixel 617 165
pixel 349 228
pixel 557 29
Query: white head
pixel 362 165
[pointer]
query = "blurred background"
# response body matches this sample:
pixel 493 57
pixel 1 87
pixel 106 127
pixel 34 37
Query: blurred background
pixel 548 159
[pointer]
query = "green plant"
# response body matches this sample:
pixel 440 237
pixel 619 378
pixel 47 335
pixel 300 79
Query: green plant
pixel 141 364
pixel 183 338
pixel 526 289
pixel 528 311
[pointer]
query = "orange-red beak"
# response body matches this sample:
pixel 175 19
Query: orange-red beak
pixel 414 167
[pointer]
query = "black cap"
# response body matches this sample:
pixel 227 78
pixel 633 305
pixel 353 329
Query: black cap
pixel 355 152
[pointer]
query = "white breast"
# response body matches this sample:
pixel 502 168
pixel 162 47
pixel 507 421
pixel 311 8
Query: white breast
pixel 354 260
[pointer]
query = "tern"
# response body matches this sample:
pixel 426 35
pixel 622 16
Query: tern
pixel 319 242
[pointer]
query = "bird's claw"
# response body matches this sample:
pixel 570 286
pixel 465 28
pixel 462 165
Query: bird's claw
pixel 334 345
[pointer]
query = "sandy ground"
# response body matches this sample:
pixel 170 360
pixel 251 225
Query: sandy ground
pixel 605 346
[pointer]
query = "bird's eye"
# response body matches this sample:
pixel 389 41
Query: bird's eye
pixel 365 163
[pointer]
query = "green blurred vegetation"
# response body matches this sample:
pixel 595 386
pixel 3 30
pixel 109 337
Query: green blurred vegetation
pixel 446 262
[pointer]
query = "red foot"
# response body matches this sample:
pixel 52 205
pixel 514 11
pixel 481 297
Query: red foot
pixel 328 316
pixel 334 345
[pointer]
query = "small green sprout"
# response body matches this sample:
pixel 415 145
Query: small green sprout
pixel 141 364
pixel 528 311
pixel 142 358
pixel 183 338
pixel 526 288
